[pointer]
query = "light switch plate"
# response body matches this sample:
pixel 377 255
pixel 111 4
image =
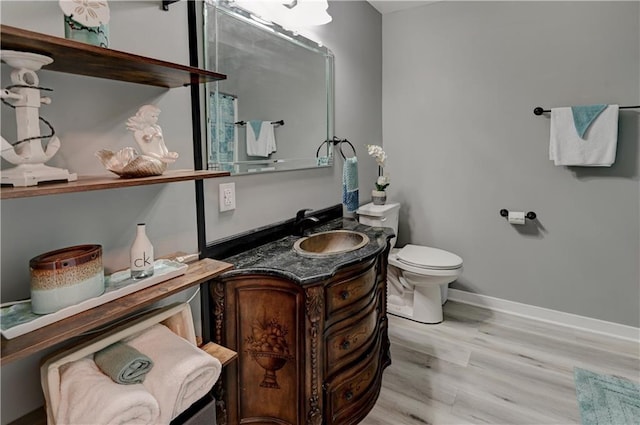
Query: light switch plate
pixel 227 196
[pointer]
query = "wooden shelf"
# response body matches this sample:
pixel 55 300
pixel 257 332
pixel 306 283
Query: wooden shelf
pixel 73 57
pixel 89 183
pixel 25 345
pixel 221 353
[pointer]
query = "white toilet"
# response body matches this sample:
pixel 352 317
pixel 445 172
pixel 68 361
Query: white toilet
pixel 418 276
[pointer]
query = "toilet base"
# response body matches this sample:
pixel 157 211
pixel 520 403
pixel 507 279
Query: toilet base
pixel 426 307
pixel 406 313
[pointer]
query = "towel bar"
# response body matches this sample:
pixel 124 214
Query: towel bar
pixel 336 141
pixel 539 111
pixel 279 122
pixel 339 142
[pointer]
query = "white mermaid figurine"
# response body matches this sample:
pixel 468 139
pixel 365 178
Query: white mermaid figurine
pixel 148 134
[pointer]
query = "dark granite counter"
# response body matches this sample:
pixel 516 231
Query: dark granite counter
pixel 278 258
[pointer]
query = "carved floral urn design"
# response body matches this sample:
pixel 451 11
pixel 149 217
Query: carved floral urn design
pixel 269 348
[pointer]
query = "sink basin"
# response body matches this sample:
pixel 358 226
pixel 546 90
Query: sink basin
pixel 330 243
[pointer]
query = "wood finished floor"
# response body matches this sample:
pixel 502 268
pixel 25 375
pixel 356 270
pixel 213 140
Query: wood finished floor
pixel 484 367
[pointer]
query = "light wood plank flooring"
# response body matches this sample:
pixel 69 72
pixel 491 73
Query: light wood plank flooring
pixel 484 367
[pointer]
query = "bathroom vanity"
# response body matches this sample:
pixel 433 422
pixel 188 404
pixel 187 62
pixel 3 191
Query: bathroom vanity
pixel 311 333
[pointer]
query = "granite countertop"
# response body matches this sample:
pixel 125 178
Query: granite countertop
pixel 278 258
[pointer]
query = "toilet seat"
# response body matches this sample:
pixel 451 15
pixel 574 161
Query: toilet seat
pixel 428 258
pixel 424 260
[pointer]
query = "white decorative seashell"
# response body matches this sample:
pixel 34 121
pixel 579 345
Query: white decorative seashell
pixel 127 163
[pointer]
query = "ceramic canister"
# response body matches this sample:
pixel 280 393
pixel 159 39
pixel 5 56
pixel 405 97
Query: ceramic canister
pixel 98 36
pixel 66 277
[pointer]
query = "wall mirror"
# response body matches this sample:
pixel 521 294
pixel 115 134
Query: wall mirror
pixel 276 106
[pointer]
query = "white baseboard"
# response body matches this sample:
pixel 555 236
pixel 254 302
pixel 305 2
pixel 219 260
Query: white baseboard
pixel 546 315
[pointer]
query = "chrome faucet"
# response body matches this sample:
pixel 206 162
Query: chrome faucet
pixel 302 222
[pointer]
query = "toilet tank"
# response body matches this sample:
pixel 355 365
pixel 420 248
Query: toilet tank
pixel 380 216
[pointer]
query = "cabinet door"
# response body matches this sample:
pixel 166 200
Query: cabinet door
pixel 264 323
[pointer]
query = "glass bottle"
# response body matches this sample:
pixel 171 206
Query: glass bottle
pixel 141 254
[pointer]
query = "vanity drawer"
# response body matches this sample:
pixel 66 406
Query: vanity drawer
pixel 347 394
pixel 347 342
pixel 347 292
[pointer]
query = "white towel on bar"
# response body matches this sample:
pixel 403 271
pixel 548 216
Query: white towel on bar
pixel 88 396
pixel 181 374
pixel 597 149
pixel 261 141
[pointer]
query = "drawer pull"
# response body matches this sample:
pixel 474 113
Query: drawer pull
pixel 348 395
pixel 345 295
pixel 345 344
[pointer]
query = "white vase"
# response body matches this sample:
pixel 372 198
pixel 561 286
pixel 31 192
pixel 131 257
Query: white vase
pixel 141 254
pixel 378 197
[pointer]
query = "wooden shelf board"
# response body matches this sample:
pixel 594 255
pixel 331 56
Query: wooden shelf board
pixel 224 354
pixel 77 58
pixel 89 183
pixel 25 345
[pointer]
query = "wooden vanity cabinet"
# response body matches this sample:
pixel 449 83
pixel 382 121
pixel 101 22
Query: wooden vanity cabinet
pixel 307 354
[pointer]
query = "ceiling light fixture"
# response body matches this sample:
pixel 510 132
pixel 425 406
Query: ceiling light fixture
pixel 295 15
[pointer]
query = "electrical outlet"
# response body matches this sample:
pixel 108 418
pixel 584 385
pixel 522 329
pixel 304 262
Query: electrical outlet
pixel 227 195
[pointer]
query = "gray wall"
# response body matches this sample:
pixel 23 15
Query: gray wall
pixel 460 81
pixel 90 114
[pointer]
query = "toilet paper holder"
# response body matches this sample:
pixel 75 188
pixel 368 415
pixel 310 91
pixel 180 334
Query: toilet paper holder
pixel 530 215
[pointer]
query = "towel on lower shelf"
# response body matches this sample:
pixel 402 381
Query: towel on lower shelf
pixel 123 363
pixel 87 396
pixel 261 138
pixel 182 373
pixel 597 148
pixel 350 196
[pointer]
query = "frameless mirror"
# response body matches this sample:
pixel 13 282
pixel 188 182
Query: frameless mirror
pixel 275 109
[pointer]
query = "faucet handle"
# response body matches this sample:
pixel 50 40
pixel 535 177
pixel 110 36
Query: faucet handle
pixel 301 213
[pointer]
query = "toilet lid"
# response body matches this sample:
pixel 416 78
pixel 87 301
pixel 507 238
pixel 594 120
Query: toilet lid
pixel 429 258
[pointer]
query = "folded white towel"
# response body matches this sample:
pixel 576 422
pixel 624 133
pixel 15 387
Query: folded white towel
pixel 262 142
pixel 597 149
pixel 182 373
pixel 87 396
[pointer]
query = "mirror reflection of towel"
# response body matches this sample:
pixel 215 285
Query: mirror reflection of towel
pixel 261 139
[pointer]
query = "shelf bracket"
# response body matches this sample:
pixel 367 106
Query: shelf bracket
pixel 166 3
